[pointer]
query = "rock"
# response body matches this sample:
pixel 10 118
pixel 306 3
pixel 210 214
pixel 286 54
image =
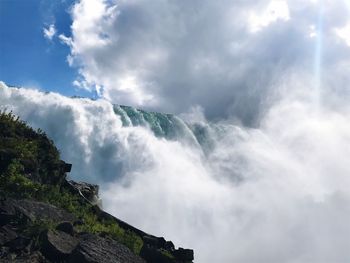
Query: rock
pixel 66 227
pixel 88 191
pixel 6 218
pixel 35 257
pixel 57 245
pixel 7 212
pixel 30 166
pixel 6 155
pixel 151 255
pixel 150 241
pixel 96 249
pixel 33 210
pixel 155 242
pixel 183 254
pixel 7 234
pixel 4 252
pixel 161 242
pixel 78 222
pixel 169 246
pixel 19 243
pixel 67 167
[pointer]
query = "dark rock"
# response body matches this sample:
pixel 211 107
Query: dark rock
pixel 4 252
pixel 67 167
pixel 33 210
pixel 183 254
pixel 7 234
pixel 78 222
pixel 6 218
pixel 6 155
pixel 7 212
pixel 169 246
pixel 57 245
pixel 93 248
pixel 155 242
pixel 150 241
pixel 19 243
pixel 66 227
pixel 35 257
pixel 30 166
pixel 151 255
pixel 62 167
pixel 154 245
pixel 10 257
pixel 161 242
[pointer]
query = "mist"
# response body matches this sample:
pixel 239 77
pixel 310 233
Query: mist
pixel 275 193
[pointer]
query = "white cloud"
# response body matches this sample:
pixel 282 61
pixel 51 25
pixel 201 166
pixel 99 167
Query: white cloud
pixel 182 54
pixel 276 10
pixel 65 40
pixel 344 33
pixel 49 32
pixel 313 32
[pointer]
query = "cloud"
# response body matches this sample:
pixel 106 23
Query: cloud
pixel 276 193
pixel 223 56
pixel 344 33
pixel 275 10
pixel 49 32
pixel 65 40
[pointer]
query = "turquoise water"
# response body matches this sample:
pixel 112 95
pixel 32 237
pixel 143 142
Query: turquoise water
pixel 168 126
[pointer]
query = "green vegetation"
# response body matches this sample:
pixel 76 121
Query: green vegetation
pixel 167 254
pixel 30 167
pixel 31 148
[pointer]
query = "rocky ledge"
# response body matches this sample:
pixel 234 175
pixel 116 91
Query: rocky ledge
pixel 46 218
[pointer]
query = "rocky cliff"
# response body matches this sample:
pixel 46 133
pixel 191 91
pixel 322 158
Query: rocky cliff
pixel 46 218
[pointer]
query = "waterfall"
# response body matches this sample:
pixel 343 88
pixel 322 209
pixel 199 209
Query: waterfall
pixel 275 193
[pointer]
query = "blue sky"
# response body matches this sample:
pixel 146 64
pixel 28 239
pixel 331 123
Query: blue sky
pixel 27 58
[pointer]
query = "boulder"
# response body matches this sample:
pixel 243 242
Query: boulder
pixel 57 245
pixel 155 242
pixel 35 257
pixel 66 227
pixel 96 249
pixel 169 246
pixel 4 252
pixel 151 255
pixel 6 218
pixel 182 254
pixel 150 241
pixel 7 234
pixel 7 212
pixel 33 210
pixel 20 243
pixel 66 167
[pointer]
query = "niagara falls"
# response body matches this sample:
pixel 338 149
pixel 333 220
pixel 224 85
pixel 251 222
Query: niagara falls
pixel 223 126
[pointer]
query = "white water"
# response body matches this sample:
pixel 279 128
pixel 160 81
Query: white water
pixel 277 193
